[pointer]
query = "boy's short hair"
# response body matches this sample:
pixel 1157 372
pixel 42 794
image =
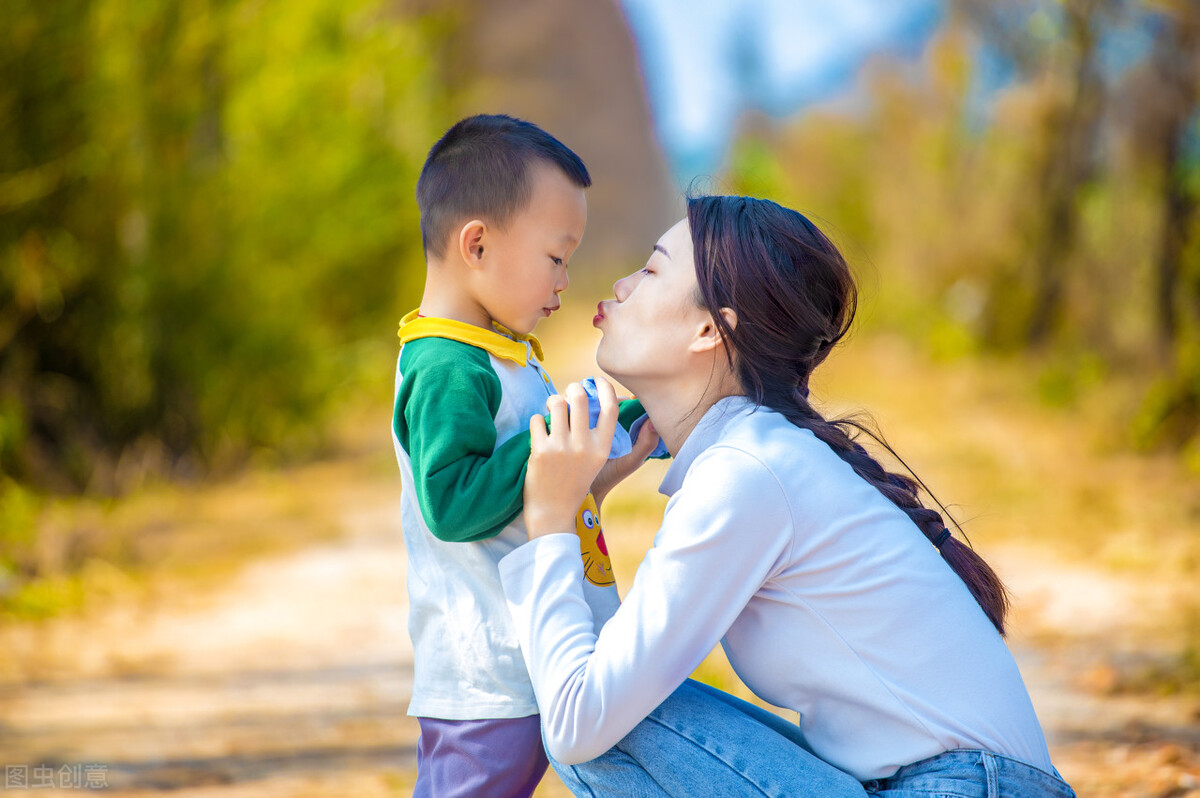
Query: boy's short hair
pixel 480 168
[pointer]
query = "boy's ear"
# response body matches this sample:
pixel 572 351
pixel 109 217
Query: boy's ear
pixel 470 243
pixel 709 337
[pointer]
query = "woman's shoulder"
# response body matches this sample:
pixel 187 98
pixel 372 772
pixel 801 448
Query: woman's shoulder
pixel 803 465
pixel 766 435
pixel 759 448
pixel 730 487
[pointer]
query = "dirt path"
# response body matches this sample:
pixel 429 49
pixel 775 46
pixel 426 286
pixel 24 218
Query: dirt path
pixel 293 679
pixel 1083 637
pixel 290 680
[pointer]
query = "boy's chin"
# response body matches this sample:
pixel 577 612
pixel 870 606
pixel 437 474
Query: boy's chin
pixel 517 326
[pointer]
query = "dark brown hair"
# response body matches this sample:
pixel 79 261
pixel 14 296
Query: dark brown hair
pixel 480 168
pixel 795 299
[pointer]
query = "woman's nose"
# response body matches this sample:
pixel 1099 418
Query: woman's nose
pixel 621 288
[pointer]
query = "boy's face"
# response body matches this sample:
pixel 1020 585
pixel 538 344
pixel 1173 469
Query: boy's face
pixel 525 264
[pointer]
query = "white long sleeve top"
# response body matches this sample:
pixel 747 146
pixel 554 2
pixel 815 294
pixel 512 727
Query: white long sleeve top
pixel 828 601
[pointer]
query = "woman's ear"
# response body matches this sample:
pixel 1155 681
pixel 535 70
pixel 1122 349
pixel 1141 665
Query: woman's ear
pixel 709 336
pixel 470 243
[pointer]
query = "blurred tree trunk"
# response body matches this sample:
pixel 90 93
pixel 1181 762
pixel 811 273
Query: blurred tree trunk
pixel 1071 134
pixel 57 237
pixel 1171 411
pixel 1064 49
pixel 1177 68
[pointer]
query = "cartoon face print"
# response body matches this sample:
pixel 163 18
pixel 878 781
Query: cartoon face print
pixel 597 568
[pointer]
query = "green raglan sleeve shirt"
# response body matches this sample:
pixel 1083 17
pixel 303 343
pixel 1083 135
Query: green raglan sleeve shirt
pixel 467 488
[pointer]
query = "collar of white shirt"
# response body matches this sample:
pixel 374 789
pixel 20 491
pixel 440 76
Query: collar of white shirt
pixel 707 432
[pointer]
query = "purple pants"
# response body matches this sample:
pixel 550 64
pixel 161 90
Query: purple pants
pixel 501 757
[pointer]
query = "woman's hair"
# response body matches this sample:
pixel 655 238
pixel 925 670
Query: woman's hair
pixel 795 299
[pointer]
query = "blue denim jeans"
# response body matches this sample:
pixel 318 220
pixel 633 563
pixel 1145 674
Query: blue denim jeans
pixel 970 774
pixel 703 742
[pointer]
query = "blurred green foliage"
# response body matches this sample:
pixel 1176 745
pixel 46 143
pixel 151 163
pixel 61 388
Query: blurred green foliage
pixel 1062 227
pixel 207 225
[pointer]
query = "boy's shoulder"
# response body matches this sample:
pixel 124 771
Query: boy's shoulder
pixel 442 354
pixel 447 368
pixel 442 360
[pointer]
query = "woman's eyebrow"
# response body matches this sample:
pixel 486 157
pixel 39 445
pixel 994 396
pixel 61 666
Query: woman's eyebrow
pixel 659 248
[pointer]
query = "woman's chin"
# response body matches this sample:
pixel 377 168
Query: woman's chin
pixel 601 360
pixel 614 376
pixel 605 366
pixel 606 362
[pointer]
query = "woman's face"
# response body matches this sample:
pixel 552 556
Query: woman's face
pixel 649 326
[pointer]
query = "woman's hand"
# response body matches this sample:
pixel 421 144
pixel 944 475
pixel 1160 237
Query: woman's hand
pixel 564 461
pixel 618 468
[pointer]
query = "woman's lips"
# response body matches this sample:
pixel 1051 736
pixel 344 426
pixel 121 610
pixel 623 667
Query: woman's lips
pixel 599 317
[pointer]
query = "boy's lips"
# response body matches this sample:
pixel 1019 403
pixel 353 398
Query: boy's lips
pixel 548 310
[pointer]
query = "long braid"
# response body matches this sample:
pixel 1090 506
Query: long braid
pixel 794 299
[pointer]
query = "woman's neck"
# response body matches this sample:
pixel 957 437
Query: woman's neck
pixel 675 411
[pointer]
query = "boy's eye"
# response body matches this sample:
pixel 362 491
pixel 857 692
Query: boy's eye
pixel 557 261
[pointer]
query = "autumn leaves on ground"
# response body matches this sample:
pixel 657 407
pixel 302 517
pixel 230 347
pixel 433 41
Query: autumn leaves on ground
pixel 261 650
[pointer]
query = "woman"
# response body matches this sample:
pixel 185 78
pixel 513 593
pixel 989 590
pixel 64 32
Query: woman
pixel 834 592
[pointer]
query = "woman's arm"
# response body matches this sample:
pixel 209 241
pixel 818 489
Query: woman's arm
pixel 722 537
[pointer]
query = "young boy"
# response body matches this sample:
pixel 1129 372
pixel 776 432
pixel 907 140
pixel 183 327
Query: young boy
pixel 502 210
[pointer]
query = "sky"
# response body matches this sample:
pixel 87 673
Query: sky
pixel 706 62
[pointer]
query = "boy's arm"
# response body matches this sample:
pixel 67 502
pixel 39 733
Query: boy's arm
pixel 445 420
pixel 629 411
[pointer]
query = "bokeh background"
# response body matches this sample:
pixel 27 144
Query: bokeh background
pixel 208 233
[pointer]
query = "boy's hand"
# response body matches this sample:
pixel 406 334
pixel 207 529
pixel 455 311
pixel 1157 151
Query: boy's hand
pixel 564 461
pixel 618 468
